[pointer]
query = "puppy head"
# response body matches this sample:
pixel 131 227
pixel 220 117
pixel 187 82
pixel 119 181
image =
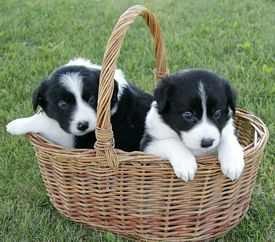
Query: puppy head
pixel 69 96
pixel 197 104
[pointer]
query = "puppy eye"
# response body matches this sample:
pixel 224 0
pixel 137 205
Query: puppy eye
pixel 92 100
pixel 188 116
pixel 217 114
pixel 62 104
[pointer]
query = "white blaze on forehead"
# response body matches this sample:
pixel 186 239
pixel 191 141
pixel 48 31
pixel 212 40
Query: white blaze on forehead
pixel 119 75
pixel 72 82
pixel 203 100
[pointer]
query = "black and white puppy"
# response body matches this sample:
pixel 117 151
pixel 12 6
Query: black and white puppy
pixel 68 98
pixel 193 115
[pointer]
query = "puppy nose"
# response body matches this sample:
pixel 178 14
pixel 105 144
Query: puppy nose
pixel 83 125
pixel 205 143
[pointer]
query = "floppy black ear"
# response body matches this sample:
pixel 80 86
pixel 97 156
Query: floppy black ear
pixel 39 96
pixel 114 99
pixel 161 95
pixel 231 96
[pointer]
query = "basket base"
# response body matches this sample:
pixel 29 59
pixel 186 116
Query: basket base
pixel 144 238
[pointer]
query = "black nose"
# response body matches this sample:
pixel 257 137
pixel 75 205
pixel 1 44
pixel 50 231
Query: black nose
pixel 82 126
pixel 205 143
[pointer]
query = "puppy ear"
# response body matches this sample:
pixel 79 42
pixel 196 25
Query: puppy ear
pixel 118 78
pixel 231 96
pixel 114 99
pixel 161 95
pixel 38 96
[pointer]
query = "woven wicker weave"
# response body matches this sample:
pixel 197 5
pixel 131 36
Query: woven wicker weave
pixel 138 195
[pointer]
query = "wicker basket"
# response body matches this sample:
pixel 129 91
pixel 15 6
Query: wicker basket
pixel 138 195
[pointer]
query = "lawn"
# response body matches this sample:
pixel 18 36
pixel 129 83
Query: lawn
pixel 234 38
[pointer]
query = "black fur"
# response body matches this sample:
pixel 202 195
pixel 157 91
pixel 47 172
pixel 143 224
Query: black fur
pixel 39 96
pixel 129 120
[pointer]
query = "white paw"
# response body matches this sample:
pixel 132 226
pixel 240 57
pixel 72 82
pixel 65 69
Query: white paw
pixel 232 162
pixel 185 168
pixel 16 127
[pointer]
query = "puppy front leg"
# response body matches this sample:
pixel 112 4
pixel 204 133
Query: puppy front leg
pixel 182 160
pixel 32 124
pixel 230 153
pixel 41 123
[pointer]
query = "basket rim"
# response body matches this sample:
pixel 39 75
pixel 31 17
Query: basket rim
pixel 260 139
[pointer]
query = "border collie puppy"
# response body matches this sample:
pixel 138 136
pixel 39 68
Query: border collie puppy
pixel 193 115
pixel 68 99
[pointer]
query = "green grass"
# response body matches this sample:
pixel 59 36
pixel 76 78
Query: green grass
pixel 234 38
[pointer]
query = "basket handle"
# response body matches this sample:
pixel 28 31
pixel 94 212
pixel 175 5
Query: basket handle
pixel 104 135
